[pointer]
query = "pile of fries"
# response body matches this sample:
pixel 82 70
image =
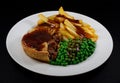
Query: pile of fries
pixel 69 25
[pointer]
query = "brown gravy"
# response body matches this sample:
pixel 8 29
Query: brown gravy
pixel 72 20
pixel 36 38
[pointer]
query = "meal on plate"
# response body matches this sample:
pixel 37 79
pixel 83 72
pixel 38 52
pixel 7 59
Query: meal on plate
pixel 60 39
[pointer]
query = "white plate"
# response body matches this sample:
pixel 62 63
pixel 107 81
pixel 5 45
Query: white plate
pixel 101 54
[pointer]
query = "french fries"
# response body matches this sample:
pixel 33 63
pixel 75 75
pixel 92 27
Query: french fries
pixel 72 32
pixel 64 32
pixel 62 27
pixel 52 17
pixel 69 28
pixel 42 18
pixel 70 25
pixel 62 12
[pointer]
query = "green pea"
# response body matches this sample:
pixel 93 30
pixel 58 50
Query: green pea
pixel 53 62
pixel 73 54
pixel 81 59
pixel 86 48
pixel 70 49
pixel 74 62
pixel 76 58
pixel 87 53
pixel 85 57
pixel 78 61
pixel 73 59
pixel 78 53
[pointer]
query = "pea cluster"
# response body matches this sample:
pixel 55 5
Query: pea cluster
pixel 74 51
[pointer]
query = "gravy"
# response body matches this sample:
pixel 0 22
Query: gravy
pixel 36 38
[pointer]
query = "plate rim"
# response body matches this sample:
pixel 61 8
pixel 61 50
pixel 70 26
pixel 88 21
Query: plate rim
pixel 55 74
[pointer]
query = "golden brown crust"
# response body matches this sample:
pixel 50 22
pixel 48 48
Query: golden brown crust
pixel 42 55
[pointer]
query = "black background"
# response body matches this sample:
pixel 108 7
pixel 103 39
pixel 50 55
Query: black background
pixel 106 12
